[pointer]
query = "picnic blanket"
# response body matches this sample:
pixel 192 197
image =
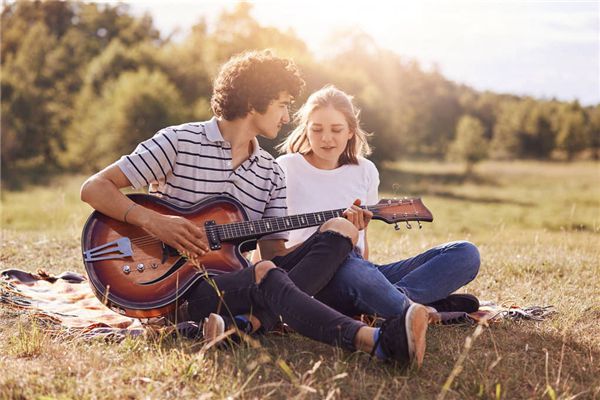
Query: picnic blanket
pixel 67 300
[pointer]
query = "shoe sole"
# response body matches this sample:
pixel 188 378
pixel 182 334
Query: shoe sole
pixel 417 321
pixel 213 327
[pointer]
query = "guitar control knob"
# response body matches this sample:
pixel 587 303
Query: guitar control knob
pixel 126 269
pixel 140 267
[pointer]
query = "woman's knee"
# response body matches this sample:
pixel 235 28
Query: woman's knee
pixel 343 227
pixel 261 269
pixel 472 258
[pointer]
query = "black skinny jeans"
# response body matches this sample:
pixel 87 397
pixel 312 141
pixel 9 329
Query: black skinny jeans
pixel 278 296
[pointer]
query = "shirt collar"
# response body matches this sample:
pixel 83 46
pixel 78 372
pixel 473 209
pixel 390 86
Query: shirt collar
pixel 211 128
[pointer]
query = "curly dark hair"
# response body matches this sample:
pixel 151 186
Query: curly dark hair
pixel 251 80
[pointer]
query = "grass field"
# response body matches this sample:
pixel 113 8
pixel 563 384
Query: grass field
pixel 537 226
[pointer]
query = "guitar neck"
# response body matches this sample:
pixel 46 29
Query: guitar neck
pixel 253 229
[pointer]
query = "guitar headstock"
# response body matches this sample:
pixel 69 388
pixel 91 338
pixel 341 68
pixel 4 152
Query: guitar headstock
pixel 400 210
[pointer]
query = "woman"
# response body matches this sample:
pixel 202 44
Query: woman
pixel 325 169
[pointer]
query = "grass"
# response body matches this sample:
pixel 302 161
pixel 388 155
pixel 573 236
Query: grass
pixel 538 229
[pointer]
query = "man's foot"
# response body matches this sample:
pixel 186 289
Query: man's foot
pixel 213 327
pixel 456 302
pixel 402 338
pixel 216 325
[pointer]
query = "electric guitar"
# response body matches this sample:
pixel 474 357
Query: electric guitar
pixel 137 275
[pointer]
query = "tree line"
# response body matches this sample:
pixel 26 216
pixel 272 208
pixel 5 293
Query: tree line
pixel 83 83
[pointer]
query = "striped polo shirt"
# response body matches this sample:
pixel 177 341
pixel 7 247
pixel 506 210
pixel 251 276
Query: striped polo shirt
pixel 186 163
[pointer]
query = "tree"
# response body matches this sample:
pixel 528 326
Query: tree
pixel 129 110
pixel 572 136
pixel 26 132
pixel 470 144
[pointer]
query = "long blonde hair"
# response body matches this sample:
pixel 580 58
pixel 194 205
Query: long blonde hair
pixel 297 140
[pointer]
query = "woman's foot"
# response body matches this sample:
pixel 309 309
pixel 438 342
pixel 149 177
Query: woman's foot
pixel 456 302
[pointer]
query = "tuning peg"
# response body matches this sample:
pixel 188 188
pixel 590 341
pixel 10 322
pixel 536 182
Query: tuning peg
pixel 408 225
pixel 396 227
pixel 420 226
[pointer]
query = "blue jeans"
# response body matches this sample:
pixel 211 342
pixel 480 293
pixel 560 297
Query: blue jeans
pixel 361 287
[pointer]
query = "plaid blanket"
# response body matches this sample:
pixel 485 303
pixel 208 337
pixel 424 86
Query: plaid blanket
pixel 67 301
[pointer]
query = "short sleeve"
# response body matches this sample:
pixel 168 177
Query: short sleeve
pixel 151 160
pixel 277 205
pixel 373 184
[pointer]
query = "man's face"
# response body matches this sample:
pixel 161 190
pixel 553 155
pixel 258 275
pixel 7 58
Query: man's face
pixel 277 114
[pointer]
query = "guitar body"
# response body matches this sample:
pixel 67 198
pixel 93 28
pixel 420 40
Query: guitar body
pixel 137 275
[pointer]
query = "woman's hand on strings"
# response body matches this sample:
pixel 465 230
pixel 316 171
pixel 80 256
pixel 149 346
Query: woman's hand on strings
pixel 359 217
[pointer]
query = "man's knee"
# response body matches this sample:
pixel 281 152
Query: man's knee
pixel 343 227
pixel 261 269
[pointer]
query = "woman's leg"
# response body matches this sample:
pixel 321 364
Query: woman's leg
pixel 436 273
pixel 358 287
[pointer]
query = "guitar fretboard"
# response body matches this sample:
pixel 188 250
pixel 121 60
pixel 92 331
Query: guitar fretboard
pixel 251 229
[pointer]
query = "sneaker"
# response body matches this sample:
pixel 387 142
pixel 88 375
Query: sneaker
pixel 451 318
pixel 178 314
pixel 216 325
pixel 402 338
pixel 456 302
pixel 213 327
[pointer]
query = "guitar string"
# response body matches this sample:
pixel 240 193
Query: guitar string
pixel 242 226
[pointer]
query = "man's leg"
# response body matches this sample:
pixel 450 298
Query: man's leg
pixel 401 339
pixel 358 287
pixel 268 294
pixel 436 273
pixel 312 265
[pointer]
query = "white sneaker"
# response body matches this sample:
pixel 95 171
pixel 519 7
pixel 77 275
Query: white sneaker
pixel 213 327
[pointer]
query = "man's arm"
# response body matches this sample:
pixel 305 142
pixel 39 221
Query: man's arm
pixel 101 191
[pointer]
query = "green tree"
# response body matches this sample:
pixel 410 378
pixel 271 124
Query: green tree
pixel 130 109
pixel 572 135
pixel 26 132
pixel 470 144
pixel 594 131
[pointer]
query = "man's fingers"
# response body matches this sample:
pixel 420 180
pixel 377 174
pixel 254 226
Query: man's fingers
pixel 196 236
pixel 190 249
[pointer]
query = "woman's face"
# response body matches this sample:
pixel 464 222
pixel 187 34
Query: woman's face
pixel 328 134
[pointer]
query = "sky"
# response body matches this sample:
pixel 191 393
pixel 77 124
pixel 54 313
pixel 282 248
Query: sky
pixel 540 48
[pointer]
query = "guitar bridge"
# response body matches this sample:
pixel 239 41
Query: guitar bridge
pixel 120 247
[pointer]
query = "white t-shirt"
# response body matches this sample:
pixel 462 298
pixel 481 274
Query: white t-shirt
pixel 310 189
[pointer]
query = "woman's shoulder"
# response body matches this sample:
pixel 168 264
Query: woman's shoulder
pixel 289 156
pixel 367 165
pixel 286 159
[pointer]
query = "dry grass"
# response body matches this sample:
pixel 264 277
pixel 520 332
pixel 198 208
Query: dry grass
pixel 537 226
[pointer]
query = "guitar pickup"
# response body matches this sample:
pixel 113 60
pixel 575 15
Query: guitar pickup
pixel 119 248
pixel 214 241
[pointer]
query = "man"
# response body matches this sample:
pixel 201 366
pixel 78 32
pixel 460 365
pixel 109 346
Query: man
pixel 186 163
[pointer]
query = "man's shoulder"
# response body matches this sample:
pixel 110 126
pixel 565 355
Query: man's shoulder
pixel 266 161
pixel 189 127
